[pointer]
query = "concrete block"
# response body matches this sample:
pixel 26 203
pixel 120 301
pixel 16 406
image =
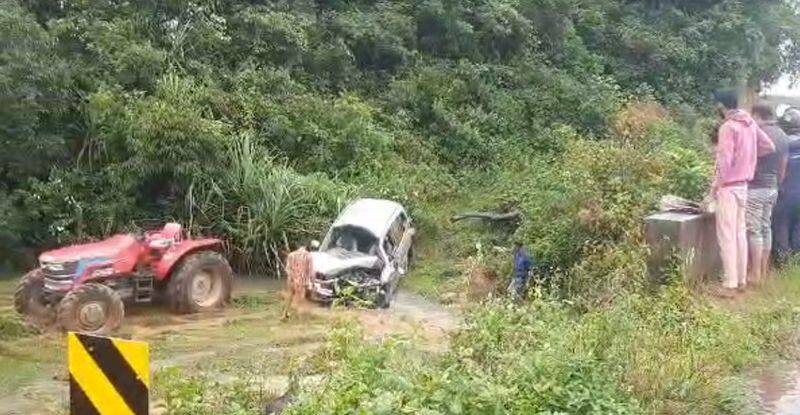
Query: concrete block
pixel 690 237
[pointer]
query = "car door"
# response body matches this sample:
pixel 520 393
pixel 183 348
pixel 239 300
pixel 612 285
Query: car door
pixel 389 272
pixel 403 250
pixel 405 238
pixel 391 242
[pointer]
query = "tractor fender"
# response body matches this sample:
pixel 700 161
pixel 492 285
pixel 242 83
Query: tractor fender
pixel 178 252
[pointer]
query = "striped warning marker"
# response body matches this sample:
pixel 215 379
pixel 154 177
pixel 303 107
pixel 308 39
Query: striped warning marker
pixel 108 376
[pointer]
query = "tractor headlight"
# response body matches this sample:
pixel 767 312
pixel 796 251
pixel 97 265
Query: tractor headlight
pixel 54 266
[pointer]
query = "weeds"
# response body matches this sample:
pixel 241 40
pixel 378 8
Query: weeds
pixel 12 327
pixel 254 302
pixel 667 353
pixel 202 394
pixel 261 205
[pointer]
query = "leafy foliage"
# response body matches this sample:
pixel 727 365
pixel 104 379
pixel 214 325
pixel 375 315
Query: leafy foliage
pixel 261 205
pixel 256 121
pixel 545 358
pixel 198 394
pixel 407 100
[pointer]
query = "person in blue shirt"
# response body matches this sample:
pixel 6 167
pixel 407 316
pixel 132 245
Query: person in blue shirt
pixel 786 216
pixel 522 270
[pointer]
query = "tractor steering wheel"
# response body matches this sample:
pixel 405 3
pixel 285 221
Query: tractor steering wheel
pixel 140 235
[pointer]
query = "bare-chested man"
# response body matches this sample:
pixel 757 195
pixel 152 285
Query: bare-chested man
pixel 299 270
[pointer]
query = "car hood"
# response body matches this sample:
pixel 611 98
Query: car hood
pixel 108 248
pixel 335 261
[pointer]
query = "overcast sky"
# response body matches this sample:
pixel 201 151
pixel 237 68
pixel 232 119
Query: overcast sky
pixel 784 88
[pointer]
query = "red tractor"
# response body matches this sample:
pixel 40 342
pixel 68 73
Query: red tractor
pixel 84 287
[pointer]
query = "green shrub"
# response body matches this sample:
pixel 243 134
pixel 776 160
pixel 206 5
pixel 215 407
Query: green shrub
pixel 201 394
pixel 12 327
pixel 334 136
pixel 259 205
pixel 273 37
pixel 664 353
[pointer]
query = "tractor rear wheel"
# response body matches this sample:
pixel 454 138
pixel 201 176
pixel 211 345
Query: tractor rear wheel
pixel 29 298
pixel 202 282
pixel 92 309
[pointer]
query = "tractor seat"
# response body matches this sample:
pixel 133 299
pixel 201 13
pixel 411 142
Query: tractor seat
pixel 172 231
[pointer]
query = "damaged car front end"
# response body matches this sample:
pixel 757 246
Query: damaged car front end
pixel 363 255
pixel 340 274
pixel 347 265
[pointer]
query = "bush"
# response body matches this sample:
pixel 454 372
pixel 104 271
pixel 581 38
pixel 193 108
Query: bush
pixel 334 136
pixel 582 206
pixel 393 378
pixel 273 37
pixel 199 394
pixel 259 205
pixel 545 357
pixel 12 327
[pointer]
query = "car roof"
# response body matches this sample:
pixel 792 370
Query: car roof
pixel 374 215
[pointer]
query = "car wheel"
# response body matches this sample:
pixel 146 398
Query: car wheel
pixel 387 293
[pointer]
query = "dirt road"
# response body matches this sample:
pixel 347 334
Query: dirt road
pixel 249 334
pixel 779 389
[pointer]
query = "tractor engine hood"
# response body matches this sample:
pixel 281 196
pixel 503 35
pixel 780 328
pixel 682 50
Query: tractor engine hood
pixel 336 261
pixel 109 248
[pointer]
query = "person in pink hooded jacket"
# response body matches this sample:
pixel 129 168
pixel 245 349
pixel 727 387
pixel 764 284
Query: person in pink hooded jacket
pixel 740 142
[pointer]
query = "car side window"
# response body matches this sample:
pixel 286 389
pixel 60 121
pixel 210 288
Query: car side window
pixel 396 230
pixel 404 222
pixel 388 246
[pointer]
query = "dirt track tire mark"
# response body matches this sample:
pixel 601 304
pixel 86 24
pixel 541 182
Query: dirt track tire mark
pixel 411 315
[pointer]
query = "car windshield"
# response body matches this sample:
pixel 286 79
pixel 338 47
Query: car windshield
pixel 353 239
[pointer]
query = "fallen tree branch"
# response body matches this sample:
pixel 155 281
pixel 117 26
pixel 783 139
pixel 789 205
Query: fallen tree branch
pixel 494 217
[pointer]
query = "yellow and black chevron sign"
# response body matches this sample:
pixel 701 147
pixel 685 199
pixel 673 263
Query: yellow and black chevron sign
pixel 108 376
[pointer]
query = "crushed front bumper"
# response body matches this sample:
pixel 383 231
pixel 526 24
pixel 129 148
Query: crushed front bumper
pixel 327 291
pixel 322 291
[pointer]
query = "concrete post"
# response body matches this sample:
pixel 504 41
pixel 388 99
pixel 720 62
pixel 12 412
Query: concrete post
pixel 689 237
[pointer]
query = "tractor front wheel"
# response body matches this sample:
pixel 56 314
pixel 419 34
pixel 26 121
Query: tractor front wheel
pixel 29 298
pixel 202 282
pixel 92 309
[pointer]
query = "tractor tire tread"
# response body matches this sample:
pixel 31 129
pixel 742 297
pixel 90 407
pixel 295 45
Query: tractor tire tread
pixel 21 291
pixel 74 297
pixel 179 285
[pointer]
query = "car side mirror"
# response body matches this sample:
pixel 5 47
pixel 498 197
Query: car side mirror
pixel 314 245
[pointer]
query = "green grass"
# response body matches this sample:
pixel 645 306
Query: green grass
pixel 430 278
pixel 672 352
pixel 25 360
pixel 246 338
pixel 7 286
pixel 22 373
pixel 24 355
pixel 13 327
pixel 255 302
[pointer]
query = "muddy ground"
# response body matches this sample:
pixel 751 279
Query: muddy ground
pixel 246 335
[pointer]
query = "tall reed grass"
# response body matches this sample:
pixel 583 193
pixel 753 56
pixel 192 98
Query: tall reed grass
pixel 260 204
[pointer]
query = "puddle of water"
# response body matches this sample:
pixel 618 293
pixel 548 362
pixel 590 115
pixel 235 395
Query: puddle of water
pixel 779 389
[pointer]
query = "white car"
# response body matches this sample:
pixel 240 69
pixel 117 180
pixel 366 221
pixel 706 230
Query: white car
pixel 365 253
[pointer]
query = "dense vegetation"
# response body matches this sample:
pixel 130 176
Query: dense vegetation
pixel 662 354
pixel 256 120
